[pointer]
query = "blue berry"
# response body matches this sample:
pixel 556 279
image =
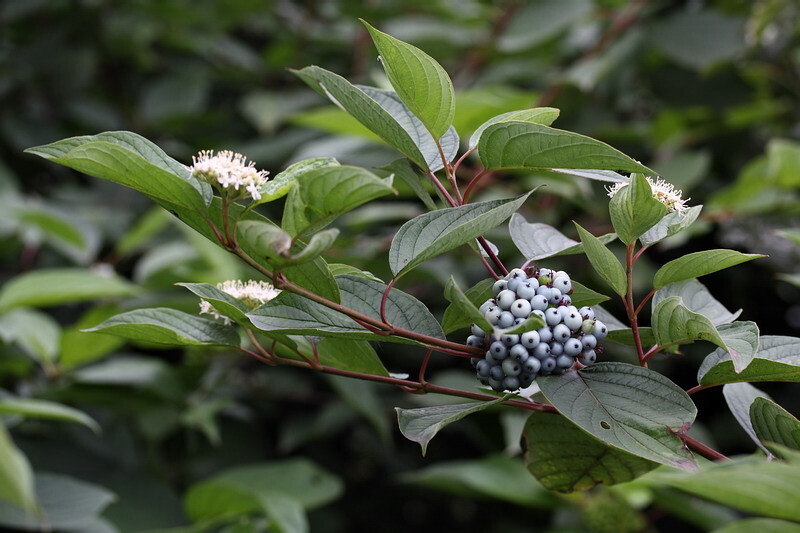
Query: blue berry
pixel 521 308
pixel 514 283
pixel 474 362
pixel 556 348
pixel 477 331
pixel 539 302
pixel 564 361
pixel 517 273
pixel 492 315
pixel 526 290
pixel 587 357
pixel 526 380
pixel 505 320
pixel 483 367
pixel 589 342
pixel 519 353
pixel 529 339
pixel 573 319
pixel 586 312
pixel 498 351
pixel 542 350
pixel 485 306
pixel 509 340
pixel 545 334
pixel 566 300
pixel 511 367
pixel 499 285
pixel 496 385
pixel 496 373
pixel 549 364
pixel 510 383
pixel 505 299
pixel 544 290
pixel 518 321
pixel 531 366
pixel 563 284
pixel 600 330
pixel 561 333
pixel 552 316
pixel 573 347
pixel 555 296
pixel 474 341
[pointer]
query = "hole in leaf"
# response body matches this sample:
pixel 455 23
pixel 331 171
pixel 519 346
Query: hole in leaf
pixel 605 425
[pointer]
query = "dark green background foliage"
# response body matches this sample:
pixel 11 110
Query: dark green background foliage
pixel 705 92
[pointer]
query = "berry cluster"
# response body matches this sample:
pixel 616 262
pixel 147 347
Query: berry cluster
pixel 513 361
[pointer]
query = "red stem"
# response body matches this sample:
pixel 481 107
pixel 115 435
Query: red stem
pixel 496 260
pixel 629 306
pixel 473 182
pixel 424 366
pixel 442 189
pixel 706 451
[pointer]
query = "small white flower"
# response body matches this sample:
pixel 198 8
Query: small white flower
pixel 663 191
pixel 228 170
pixel 252 294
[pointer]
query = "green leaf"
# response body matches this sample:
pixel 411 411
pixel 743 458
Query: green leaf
pixel 454 318
pixel 740 397
pixel 131 160
pixel 762 525
pixel 324 193
pixel 342 353
pixel 279 186
pixel 243 489
pixel 699 264
pixel 286 514
pixel 426 143
pixel 773 423
pixel 750 485
pixel 421 425
pixel 78 347
pixel 697 299
pixel 55 286
pixel 402 310
pixel 33 408
pixel 540 241
pixel 603 261
pixel 366 110
pixel 37 333
pixel 16 475
pixel 403 169
pixel 435 233
pixel 631 408
pixel 633 209
pixel 495 476
pixel 564 458
pixel 669 225
pixel 673 323
pixel 582 295
pixel 223 302
pixel 161 325
pixel 316 246
pixel 537 115
pixel 293 314
pixel 464 306
pixel 420 82
pixel 625 336
pixel 275 245
pixel 777 359
pixel 340 269
pixel 65 504
pixel 530 323
pixel 509 145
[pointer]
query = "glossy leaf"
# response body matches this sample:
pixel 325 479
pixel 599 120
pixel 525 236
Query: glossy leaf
pixel 454 318
pixel 508 145
pixel 265 240
pixel 16 475
pixel 421 425
pixel 628 407
pixel 603 261
pixel 402 310
pixel 293 314
pixel 323 194
pixel 390 101
pixel 697 299
pixel 129 159
pixel 435 233
pixel 162 325
pixel 464 306
pixel 699 264
pixel 762 525
pixel 540 241
pixel 403 169
pixel 633 209
pixel 773 423
pixel 750 485
pixel 280 185
pixel 495 476
pixel 777 359
pixel 223 302
pixel 340 269
pixel 564 458
pixel 673 323
pixel 536 115
pixel 421 83
pixel 363 108
pixel 55 286
pixel 35 408
pixel 669 225
pixel 740 398
pixel 530 323
pixel 583 295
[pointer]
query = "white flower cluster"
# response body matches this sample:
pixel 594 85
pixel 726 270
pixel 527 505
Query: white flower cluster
pixel 252 294
pixel 229 170
pixel 662 191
